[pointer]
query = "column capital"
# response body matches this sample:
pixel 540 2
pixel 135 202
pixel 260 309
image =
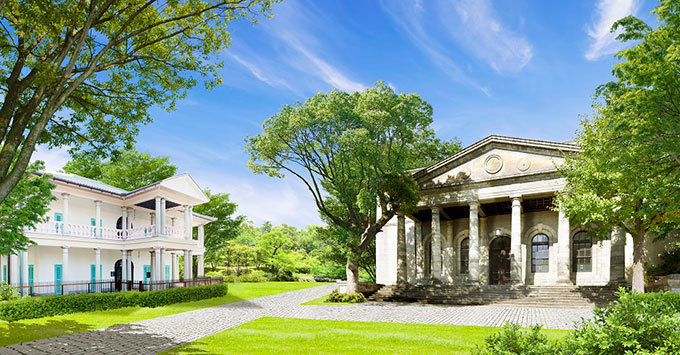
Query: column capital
pixel 97 202
pixel 473 205
pixel 516 198
pixel 65 248
pixel 65 195
pixel 435 209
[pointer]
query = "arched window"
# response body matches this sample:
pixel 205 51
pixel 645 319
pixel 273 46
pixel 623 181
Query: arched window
pixel 581 252
pixel 465 256
pixel 539 253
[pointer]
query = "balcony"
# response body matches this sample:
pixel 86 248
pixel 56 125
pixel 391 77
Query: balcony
pixel 85 231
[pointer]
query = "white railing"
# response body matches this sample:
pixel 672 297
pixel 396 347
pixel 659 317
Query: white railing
pixel 79 230
pixel 174 232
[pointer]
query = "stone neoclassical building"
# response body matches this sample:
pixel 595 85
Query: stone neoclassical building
pixel 485 218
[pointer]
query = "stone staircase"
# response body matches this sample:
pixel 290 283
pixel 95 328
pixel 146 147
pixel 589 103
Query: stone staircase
pixel 524 296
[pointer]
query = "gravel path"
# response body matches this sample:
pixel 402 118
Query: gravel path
pixel 155 335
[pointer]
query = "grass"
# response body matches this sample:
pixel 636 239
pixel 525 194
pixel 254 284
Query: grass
pixel 282 335
pixel 32 329
pixel 321 301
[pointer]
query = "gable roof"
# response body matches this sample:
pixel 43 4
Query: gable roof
pixel 496 139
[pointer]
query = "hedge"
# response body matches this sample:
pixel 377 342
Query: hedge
pixel 38 307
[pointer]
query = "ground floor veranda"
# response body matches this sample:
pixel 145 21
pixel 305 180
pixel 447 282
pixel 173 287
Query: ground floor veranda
pixel 517 241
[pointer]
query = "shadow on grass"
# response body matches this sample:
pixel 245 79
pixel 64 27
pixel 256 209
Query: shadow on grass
pixel 18 332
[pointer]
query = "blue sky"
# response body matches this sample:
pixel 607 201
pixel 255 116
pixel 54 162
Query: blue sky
pixel 513 67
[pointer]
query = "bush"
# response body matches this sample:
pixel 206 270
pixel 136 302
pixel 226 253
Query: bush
pixel 337 297
pixel 8 293
pixel 38 307
pixel 513 340
pixel 254 276
pixel 304 278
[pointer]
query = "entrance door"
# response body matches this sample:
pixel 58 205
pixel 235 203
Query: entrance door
pixel 499 261
pixel 118 273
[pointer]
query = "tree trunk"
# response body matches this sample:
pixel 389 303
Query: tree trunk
pixel 352 277
pixel 639 253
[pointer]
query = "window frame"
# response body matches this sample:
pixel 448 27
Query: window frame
pixel 539 246
pixel 464 255
pixel 578 243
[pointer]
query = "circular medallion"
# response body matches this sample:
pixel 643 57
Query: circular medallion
pixel 493 164
pixel 524 164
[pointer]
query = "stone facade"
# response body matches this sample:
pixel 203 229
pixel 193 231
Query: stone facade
pixel 486 216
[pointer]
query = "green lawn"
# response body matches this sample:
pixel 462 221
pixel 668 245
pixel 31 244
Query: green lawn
pixel 281 335
pixel 32 329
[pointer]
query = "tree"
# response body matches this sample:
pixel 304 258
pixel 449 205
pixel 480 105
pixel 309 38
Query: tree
pixel 628 174
pixel 225 228
pixel 85 73
pixel 23 208
pixel 129 170
pixel 353 152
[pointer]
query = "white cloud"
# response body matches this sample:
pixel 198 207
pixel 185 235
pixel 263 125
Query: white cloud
pixel 602 40
pixel 259 73
pixel 54 159
pixel 481 32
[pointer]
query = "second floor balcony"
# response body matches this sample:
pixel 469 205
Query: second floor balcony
pixel 89 231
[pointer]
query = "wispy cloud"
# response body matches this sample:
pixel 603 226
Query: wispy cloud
pixel 602 40
pixel 260 74
pixel 54 159
pixel 481 31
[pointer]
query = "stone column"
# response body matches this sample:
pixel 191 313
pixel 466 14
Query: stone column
pixel 129 266
pixel 420 251
pixel 13 269
pixel 201 266
pixel 66 229
pixel 162 265
pixel 64 262
pixel 516 242
pixel 410 257
pixel 152 262
pixel 24 268
pixel 98 264
pixel 175 267
pixel 158 214
pixel 563 250
pixel 163 216
pixel 201 235
pixel 617 264
pixel 188 275
pixel 97 219
pixel 436 262
pixel 483 252
pixel 473 276
pixel 157 265
pixel 401 249
pixel 187 223
pixel 124 266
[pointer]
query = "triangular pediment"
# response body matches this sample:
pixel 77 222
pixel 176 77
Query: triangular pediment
pixel 496 157
pixel 186 185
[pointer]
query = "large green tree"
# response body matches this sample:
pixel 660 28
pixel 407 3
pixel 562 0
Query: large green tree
pixel 23 208
pixel 225 228
pixel 353 151
pixel 128 170
pixel 628 174
pixel 85 73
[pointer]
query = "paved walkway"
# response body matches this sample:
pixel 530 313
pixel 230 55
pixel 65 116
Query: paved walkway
pixel 155 335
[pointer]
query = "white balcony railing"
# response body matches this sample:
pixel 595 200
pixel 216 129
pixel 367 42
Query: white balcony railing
pixel 79 230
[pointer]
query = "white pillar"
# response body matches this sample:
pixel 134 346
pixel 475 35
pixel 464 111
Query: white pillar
pixel 516 242
pixel 188 275
pixel 201 266
pixel 436 262
pixel 163 216
pixel 401 249
pixel 410 257
pixel 161 273
pixel 617 264
pixel 483 251
pixel 563 249
pixel 24 267
pixel 124 213
pixel 66 229
pixel 474 243
pixel 158 214
pixel 175 267
pixel 420 251
pixel 201 235
pixel 187 222
pixel 97 219
pixel 124 266
pixel 129 266
pixel 13 272
pixel 157 264
pixel 64 263
pixel 98 264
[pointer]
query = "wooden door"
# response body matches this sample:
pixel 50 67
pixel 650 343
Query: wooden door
pixel 499 261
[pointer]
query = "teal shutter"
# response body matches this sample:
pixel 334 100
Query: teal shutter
pixel 93 277
pixel 147 270
pixel 4 273
pixel 58 217
pixel 167 273
pixel 93 223
pixel 57 278
pixel 30 275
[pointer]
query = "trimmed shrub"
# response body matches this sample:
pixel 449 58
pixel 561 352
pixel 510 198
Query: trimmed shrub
pixel 337 297
pixel 8 293
pixel 513 340
pixel 38 307
pixel 254 276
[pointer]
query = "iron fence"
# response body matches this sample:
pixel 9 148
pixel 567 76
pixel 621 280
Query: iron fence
pixel 112 285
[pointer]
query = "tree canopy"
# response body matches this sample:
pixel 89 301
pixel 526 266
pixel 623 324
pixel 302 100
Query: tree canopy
pixel 24 207
pixel 225 228
pixel 130 169
pixel 86 73
pixel 628 174
pixel 353 151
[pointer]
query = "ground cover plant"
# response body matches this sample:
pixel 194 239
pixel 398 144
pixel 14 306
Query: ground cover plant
pixel 33 329
pixel 281 335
